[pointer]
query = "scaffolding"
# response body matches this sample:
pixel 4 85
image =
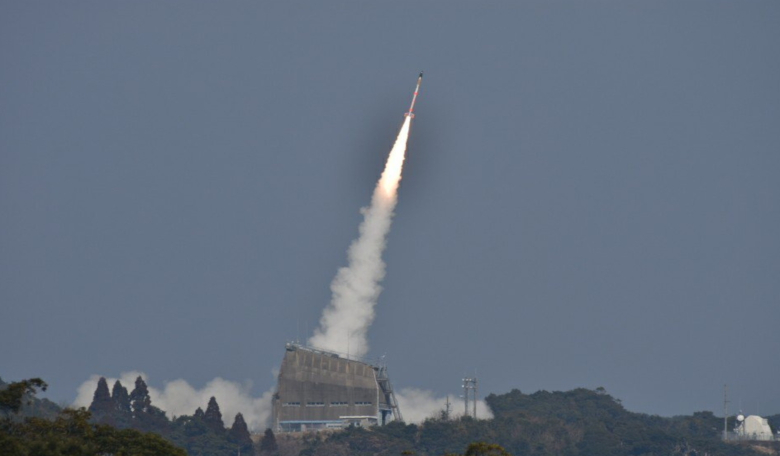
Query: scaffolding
pixel 387 389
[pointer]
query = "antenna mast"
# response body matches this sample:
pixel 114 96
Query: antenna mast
pixel 725 412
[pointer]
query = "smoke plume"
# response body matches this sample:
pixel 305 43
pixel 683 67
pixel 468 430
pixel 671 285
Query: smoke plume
pixel 418 405
pixel 345 322
pixel 179 398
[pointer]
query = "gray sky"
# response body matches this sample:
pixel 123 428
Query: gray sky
pixel 590 199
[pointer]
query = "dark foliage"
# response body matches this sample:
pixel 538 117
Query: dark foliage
pixel 485 449
pixel 71 433
pixel 120 398
pixel 580 422
pixel 14 395
pixel 239 435
pixel 102 403
pixel 268 445
pixel 121 414
pixel 139 398
pixel 200 434
pixel 213 417
pixel 31 406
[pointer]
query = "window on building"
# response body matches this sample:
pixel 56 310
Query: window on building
pixel 315 404
pixel 362 403
pixel 339 404
pixel 291 404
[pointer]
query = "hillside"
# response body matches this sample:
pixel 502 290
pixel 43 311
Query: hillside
pixel 580 422
pixel 31 407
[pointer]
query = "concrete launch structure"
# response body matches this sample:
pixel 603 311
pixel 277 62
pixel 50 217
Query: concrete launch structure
pixel 320 390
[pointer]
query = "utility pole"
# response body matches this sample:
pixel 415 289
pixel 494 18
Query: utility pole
pixel 725 412
pixel 475 398
pixel 465 398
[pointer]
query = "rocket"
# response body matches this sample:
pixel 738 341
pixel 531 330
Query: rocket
pixel 414 98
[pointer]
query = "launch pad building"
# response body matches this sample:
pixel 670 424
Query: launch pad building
pixel 320 390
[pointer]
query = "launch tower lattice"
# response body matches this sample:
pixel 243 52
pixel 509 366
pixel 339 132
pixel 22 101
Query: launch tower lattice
pixel 470 392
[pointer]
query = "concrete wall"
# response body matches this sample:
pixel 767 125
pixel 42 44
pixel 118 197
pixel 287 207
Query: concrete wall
pixel 316 386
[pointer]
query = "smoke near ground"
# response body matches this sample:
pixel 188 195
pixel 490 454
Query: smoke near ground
pixel 417 405
pixel 180 398
pixel 345 322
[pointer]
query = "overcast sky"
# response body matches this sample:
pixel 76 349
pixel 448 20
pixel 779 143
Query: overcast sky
pixel 591 196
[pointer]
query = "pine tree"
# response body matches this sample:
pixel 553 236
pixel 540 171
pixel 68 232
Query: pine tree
pixel 101 401
pixel 121 398
pixel 199 413
pixel 139 398
pixel 239 435
pixel 213 417
pixel 268 446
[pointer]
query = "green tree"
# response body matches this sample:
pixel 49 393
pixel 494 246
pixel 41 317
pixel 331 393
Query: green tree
pixel 71 433
pixel 12 397
pixel 485 449
pixel 268 445
pixel 213 417
pixel 139 398
pixel 121 414
pixel 102 404
pixel 120 398
pixel 239 435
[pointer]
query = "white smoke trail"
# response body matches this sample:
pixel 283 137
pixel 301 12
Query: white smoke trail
pixel 418 405
pixel 179 398
pixel 345 322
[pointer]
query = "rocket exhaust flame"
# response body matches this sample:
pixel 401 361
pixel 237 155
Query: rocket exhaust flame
pixel 345 321
pixel 391 176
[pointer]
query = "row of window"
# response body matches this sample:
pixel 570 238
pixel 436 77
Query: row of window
pixel 322 404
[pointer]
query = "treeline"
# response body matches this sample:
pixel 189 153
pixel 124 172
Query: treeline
pixel 580 422
pixel 117 423
pixel 66 432
pixel 202 433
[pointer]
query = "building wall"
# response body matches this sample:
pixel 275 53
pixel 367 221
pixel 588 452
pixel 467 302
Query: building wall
pixel 316 387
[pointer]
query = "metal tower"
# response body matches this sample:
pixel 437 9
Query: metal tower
pixel 384 383
pixel 470 391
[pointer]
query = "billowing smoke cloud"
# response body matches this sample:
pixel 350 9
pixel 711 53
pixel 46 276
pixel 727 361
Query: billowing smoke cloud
pixel 417 405
pixel 345 322
pixel 179 398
